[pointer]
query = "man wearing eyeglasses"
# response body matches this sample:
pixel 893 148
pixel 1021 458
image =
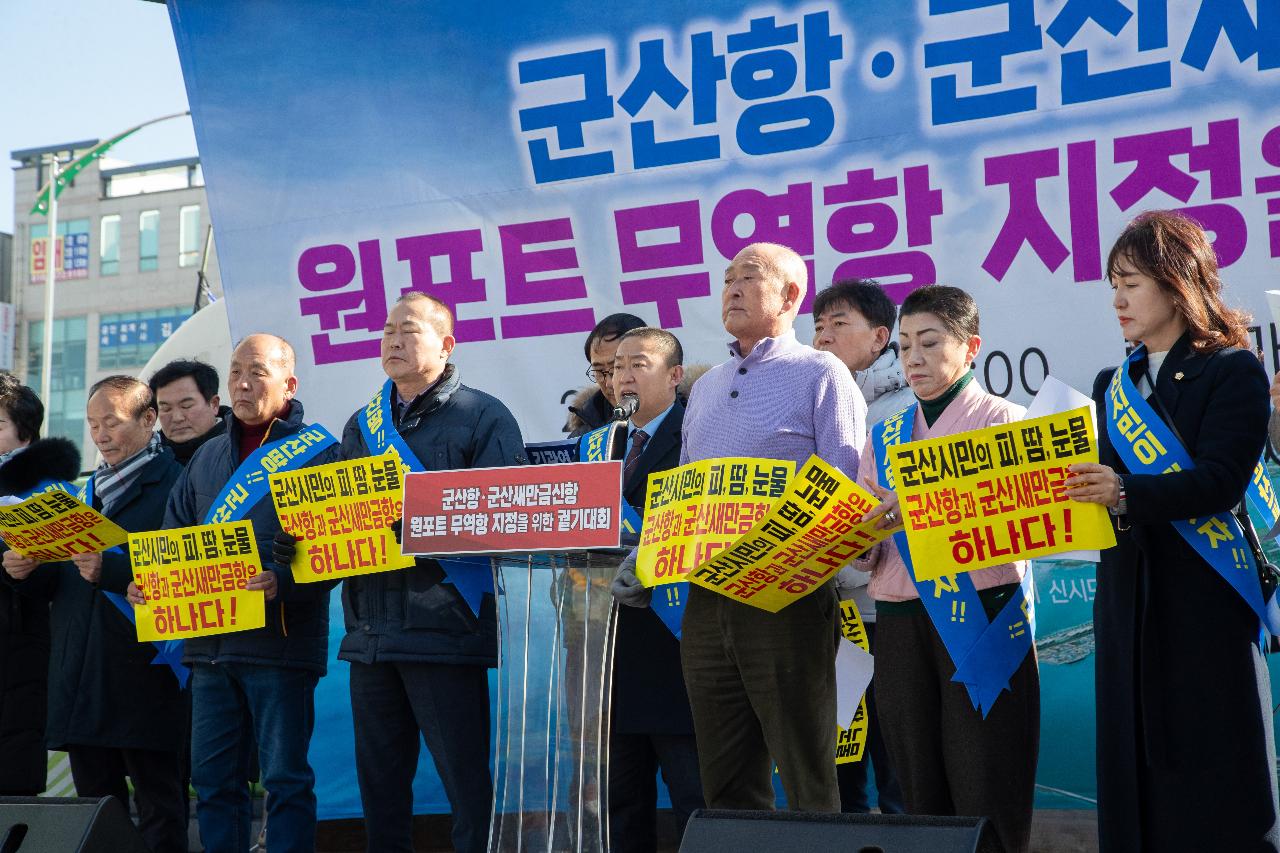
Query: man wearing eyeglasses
pixel 593 407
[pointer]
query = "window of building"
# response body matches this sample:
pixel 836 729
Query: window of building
pixel 109 245
pixel 65 403
pixel 189 236
pixel 148 240
pixel 127 340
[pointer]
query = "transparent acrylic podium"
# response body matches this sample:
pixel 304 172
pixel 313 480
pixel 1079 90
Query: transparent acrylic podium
pixel 555 650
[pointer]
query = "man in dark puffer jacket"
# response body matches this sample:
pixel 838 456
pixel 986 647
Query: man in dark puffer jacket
pixel 265 677
pixel 419 657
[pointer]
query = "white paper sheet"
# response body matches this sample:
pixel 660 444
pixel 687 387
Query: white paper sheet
pixel 1057 396
pixel 1273 300
pixel 854 669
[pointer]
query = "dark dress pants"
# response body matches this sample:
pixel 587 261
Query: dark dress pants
pixel 949 760
pixel 395 704
pixel 634 761
pixel 762 689
pixel 100 771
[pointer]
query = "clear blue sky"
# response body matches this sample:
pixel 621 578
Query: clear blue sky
pixel 114 65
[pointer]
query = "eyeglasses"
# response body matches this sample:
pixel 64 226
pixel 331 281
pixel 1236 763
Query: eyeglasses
pixel 596 374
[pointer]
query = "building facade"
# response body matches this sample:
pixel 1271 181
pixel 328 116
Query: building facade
pixel 132 240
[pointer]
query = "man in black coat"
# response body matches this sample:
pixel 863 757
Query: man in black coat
pixel 258 683
pixel 419 656
pixel 191 413
pixel 652 726
pixel 110 708
pixel 26 461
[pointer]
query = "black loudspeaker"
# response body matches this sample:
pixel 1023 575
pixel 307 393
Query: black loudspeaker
pixel 67 825
pixel 718 831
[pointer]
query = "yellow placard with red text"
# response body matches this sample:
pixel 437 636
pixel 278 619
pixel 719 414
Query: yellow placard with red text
pixel 698 509
pixel 55 525
pixel 193 581
pixel 851 742
pixel 342 515
pixel 998 494
pixel 813 529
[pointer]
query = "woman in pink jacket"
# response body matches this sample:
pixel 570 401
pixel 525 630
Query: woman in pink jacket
pixel 951 759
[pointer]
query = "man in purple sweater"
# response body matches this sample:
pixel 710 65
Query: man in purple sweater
pixel 762 685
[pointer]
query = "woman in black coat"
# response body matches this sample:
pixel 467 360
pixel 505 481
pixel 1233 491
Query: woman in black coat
pixel 25 462
pixel 1185 750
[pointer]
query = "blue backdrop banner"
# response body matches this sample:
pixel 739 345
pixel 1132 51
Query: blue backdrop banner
pixel 542 167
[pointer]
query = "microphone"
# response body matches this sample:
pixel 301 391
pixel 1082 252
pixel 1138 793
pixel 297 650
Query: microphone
pixel 626 407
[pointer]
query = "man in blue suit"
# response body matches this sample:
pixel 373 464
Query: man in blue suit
pixel 652 727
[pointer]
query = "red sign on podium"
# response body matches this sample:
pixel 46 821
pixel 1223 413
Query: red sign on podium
pixel 523 508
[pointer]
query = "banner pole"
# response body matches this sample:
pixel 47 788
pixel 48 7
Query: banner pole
pixel 50 282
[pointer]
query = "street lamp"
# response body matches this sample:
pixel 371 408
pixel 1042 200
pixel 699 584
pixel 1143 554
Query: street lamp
pixel 47 203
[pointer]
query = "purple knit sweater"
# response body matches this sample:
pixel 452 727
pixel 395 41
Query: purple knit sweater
pixel 783 401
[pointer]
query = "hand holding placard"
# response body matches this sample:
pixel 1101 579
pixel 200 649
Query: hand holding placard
pixel 19 566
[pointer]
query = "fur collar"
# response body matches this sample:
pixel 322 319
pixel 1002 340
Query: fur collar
pixel 44 459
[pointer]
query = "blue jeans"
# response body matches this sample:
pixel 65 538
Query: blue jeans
pixel 276 705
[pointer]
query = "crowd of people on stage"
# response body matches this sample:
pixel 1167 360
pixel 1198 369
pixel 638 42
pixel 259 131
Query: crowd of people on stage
pixel 1185 747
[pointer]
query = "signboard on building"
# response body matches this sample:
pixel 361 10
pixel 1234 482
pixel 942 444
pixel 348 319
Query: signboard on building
pixel 152 330
pixel 71 252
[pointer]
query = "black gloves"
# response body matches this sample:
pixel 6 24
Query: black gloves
pixel 283 548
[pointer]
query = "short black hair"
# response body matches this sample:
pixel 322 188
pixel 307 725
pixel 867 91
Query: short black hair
pixel 667 344
pixel 143 397
pixel 441 318
pixel 954 307
pixel 204 375
pixel 864 295
pixel 22 406
pixel 610 329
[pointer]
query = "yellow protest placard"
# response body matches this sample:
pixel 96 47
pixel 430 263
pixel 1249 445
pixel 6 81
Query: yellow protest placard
pixel 693 511
pixel 342 515
pixel 55 525
pixel 851 742
pixel 994 495
pixel 193 580
pixel 813 529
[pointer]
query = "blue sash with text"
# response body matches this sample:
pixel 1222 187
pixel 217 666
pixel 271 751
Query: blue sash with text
pixel 986 654
pixel 1147 445
pixel 379 431
pixel 249 484
pixel 472 577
